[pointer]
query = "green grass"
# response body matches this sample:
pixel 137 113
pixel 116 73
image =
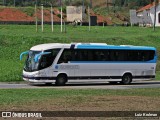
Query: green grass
pixel 15 39
pixel 20 96
pixel 158 75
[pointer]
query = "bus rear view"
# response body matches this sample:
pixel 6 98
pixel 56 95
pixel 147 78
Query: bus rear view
pixel 60 63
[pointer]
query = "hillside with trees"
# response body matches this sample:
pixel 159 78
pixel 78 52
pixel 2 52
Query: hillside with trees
pixel 119 3
pixel 109 11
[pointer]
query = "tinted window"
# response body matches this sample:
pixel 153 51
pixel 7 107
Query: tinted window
pixel 47 60
pixel 131 55
pixel 66 56
pixel 105 55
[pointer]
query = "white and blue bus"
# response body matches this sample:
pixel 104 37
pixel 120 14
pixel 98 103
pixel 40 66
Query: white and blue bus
pixel 59 63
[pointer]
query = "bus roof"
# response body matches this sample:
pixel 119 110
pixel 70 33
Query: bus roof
pixel 48 46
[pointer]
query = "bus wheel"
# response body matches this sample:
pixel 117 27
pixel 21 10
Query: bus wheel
pixel 61 80
pixel 126 79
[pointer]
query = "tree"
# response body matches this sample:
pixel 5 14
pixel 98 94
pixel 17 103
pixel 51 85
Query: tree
pixel 125 3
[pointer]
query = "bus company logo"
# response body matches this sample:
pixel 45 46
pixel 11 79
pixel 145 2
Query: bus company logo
pixel 6 114
pixel 69 67
pixel 56 67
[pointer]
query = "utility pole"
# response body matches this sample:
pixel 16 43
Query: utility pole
pixel 51 18
pixel 60 2
pixel 3 2
pixel 83 3
pixel 42 17
pixel 22 4
pixel 89 19
pixel 90 3
pixel 155 14
pixel 107 6
pixel 36 17
pixel 14 3
pixel 61 17
pixel 114 5
pixel 125 3
pixel 83 10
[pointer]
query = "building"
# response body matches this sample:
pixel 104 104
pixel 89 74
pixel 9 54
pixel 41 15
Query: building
pixel 75 13
pixel 145 15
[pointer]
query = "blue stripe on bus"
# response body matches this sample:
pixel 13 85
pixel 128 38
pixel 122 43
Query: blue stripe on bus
pixel 115 47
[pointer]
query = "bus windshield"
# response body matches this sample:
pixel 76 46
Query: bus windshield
pixel 44 61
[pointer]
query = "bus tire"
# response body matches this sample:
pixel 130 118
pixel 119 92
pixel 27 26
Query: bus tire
pixel 61 80
pixel 126 79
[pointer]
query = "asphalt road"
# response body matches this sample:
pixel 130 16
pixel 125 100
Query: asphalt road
pixel 83 85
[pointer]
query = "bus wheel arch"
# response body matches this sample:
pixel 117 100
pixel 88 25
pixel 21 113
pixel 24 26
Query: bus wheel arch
pixel 127 78
pixel 61 79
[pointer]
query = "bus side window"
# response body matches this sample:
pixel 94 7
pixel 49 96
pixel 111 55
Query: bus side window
pixel 151 55
pixel 84 55
pixel 81 55
pixel 132 55
pixel 148 55
pixel 102 55
pixel 143 56
pixel 120 55
pixel 96 56
pixel 90 55
pixel 65 57
pixel 107 55
pixel 112 55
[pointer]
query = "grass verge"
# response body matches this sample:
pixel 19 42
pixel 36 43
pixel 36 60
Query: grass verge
pixel 69 99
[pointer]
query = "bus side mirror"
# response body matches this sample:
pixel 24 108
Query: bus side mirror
pixel 23 53
pixel 36 58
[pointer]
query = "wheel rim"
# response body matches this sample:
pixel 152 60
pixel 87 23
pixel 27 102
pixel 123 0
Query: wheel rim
pixel 126 79
pixel 61 80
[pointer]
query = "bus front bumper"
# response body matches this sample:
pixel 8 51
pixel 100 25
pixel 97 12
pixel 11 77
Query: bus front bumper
pixel 39 79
